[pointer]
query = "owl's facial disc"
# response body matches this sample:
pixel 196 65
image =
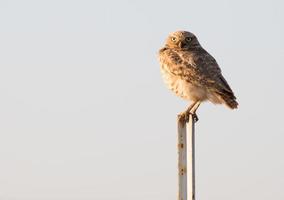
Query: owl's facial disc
pixel 182 40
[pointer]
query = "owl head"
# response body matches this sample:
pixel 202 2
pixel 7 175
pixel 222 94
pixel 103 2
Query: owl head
pixel 182 40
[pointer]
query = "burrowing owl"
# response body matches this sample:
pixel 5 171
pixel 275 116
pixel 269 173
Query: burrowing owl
pixel 192 73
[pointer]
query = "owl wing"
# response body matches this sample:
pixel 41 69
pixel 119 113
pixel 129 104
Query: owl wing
pixel 198 68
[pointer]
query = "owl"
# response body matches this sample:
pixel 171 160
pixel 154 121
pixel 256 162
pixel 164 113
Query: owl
pixel 193 74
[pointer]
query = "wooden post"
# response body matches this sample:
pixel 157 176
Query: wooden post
pixel 186 160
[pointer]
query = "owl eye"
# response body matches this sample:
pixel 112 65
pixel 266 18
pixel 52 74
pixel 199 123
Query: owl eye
pixel 174 39
pixel 188 39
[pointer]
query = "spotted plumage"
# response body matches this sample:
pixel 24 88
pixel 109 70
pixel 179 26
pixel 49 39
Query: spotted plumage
pixel 192 73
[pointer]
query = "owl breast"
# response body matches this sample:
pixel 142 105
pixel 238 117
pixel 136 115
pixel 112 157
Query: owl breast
pixel 182 88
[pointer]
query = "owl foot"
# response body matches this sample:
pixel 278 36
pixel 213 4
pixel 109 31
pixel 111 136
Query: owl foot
pixel 194 116
pixel 184 117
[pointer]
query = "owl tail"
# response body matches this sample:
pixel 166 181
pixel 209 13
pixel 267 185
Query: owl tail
pixel 231 103
pixel 229 99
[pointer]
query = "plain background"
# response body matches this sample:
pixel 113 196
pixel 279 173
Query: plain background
pixel 84 113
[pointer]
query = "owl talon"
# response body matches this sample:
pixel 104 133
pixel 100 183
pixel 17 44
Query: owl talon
pixel 194 117
pixel 183 117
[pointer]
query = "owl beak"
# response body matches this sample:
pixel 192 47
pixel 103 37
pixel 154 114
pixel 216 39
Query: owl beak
pixel 181 44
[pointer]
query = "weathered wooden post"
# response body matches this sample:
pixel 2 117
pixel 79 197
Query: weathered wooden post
pixel 186 160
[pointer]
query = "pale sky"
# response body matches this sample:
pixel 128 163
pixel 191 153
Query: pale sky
pixel 85 115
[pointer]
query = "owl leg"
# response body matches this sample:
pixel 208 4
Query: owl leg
pixel 184 116
pixel 193 111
